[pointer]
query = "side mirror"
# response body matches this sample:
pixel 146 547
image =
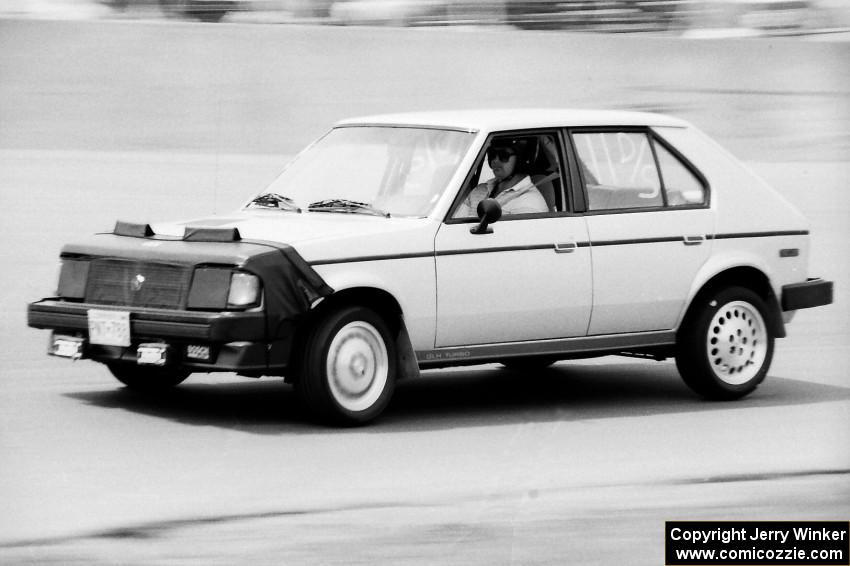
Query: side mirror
pixel 489 210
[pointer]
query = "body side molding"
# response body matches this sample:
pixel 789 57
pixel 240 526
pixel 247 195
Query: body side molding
pixel 564 346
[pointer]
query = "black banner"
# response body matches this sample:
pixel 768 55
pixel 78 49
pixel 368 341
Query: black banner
pixel 757 543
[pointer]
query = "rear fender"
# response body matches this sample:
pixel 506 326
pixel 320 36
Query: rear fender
pixel 738 268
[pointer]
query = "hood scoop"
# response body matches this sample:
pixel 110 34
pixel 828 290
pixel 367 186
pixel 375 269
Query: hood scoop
pixel 132 229
pixel 204 234
pixel 190 233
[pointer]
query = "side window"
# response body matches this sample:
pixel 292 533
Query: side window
pixel 521 171
pixel 681 185
pixel 619 170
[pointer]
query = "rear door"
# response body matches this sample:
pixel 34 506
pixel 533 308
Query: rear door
pixel 649 224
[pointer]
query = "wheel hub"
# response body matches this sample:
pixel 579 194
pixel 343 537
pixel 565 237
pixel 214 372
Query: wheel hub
pixel 357 365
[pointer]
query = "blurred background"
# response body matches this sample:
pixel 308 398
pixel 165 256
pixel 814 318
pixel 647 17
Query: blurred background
pixel 710 17
pixel 768 78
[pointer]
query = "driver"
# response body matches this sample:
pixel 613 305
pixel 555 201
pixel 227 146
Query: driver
pixel 511 186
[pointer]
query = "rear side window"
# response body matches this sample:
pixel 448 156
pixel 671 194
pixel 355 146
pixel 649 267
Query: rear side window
pixel 630 170
pixel 681 185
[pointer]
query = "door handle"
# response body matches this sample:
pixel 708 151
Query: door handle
pixel 693 240
pixel 565 247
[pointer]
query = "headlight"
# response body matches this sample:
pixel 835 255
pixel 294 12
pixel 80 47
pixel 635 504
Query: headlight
pixel 244 290
pixel 73 275
pixel 219 288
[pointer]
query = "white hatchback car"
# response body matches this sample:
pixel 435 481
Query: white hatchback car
pixel 404 242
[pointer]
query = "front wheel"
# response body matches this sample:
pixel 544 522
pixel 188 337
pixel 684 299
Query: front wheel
pixel 347 374
pixel 148 378
pixel 725 348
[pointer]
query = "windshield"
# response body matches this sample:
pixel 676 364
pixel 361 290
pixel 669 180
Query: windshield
pixel 391 170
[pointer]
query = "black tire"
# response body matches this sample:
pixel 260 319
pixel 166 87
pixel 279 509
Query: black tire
pixel 725 347
pixel 146 378
pixel 347 372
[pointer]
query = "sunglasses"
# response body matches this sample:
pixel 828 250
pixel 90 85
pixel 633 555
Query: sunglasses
pixel 502 155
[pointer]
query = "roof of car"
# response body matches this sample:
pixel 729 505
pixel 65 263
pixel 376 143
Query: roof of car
pixel 517 118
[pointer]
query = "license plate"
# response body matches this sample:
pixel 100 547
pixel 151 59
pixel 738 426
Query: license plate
pixel 109 328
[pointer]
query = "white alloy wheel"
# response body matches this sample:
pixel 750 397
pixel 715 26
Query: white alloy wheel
pixel 357 366
pixel 725 345
pixel 737 342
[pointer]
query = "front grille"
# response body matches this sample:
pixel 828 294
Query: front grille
pixel 137 284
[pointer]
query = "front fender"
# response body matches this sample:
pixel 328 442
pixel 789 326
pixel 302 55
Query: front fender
pixel 411 281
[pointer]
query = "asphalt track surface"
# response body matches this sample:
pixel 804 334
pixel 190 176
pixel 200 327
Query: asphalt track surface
pixel 579 464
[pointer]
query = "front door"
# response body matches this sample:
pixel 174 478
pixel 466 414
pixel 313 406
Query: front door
pixel 528 280
pixel 529 277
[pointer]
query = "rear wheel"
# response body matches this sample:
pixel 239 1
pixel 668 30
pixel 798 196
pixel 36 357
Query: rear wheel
pixel 146 378
pixel 725 347
pixel 348 370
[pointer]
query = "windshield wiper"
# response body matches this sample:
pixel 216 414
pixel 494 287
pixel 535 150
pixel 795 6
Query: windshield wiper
pixel 345 205
pixel 274 200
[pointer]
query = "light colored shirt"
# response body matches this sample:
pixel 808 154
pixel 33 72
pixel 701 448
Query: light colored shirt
pixel 522 198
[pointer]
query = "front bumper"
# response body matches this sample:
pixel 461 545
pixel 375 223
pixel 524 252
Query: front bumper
pixel 236 341
pixel 152 323
pixel 814 292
